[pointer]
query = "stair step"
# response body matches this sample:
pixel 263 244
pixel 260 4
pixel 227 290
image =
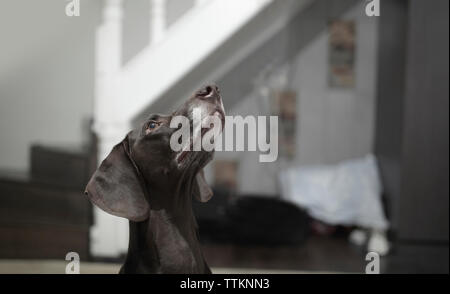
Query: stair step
pixel 61 167
pixel 23 202
pixel 49 241
pixel 42 221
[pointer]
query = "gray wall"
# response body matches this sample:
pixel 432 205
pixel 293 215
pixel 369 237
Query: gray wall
pixel 423 207
pixel 136 23
pixel 136 27
pixel 176 9
pixel 412 118
pixel 390 98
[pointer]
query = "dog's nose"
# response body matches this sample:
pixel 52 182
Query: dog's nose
pixel 209 91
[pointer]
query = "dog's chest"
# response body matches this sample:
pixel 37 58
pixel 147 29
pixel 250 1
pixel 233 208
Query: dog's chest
pixel 176 251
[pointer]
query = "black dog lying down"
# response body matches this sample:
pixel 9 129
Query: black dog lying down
pixel 145 181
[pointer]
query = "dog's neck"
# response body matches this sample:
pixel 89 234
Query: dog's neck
pixel 167 241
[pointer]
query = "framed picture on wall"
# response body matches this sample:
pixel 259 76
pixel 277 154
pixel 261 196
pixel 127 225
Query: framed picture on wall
pixel 341 53
pixel 284 105
pixel 225 174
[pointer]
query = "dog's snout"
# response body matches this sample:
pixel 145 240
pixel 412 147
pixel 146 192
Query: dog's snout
pixel 211 99
pixel 209 91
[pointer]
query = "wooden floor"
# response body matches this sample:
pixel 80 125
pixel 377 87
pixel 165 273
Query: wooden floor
pixel 58 267
pixel 53 267
pixel 317 255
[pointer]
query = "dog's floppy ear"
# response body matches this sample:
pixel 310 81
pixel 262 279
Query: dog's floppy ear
pixel 115 186
pixel 202 191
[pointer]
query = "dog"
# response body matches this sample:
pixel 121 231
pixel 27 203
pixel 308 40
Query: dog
pixel 145 181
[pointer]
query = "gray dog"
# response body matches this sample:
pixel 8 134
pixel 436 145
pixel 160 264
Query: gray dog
pixel 145 181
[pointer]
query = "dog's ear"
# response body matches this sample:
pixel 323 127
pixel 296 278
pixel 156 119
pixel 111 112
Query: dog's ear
pixel 202 191
pixel 115 186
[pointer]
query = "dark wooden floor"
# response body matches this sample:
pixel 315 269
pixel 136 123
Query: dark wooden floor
pixel 317 254
pixel 417 258
pixel 330 254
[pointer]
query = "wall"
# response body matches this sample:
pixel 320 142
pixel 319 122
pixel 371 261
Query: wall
pixel 412 119
pixel 424 203
pixel 136 23
pixel 390 99
pixel 46 76
pixel 136 27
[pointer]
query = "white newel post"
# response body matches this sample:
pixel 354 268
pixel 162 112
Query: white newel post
pixel 109 235
pixel 157 20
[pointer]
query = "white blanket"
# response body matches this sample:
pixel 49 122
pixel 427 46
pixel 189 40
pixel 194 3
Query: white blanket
pixel 348 193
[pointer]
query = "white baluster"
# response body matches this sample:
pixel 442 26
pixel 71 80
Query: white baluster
pixel 108 63
pixel 109 233
pixel 157 20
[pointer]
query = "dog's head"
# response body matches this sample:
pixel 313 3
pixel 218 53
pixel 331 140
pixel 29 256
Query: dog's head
pixel 146 161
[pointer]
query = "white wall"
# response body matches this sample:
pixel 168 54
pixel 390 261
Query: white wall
pixel 46 76
pixel 333 124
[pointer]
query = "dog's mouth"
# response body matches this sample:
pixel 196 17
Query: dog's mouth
pixel 198 135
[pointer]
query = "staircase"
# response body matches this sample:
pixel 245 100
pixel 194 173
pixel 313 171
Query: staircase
pixel 44 214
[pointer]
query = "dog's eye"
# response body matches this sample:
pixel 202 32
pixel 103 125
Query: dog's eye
pixel 152 125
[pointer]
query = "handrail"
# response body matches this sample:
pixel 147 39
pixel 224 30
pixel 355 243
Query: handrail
pixel 201 31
